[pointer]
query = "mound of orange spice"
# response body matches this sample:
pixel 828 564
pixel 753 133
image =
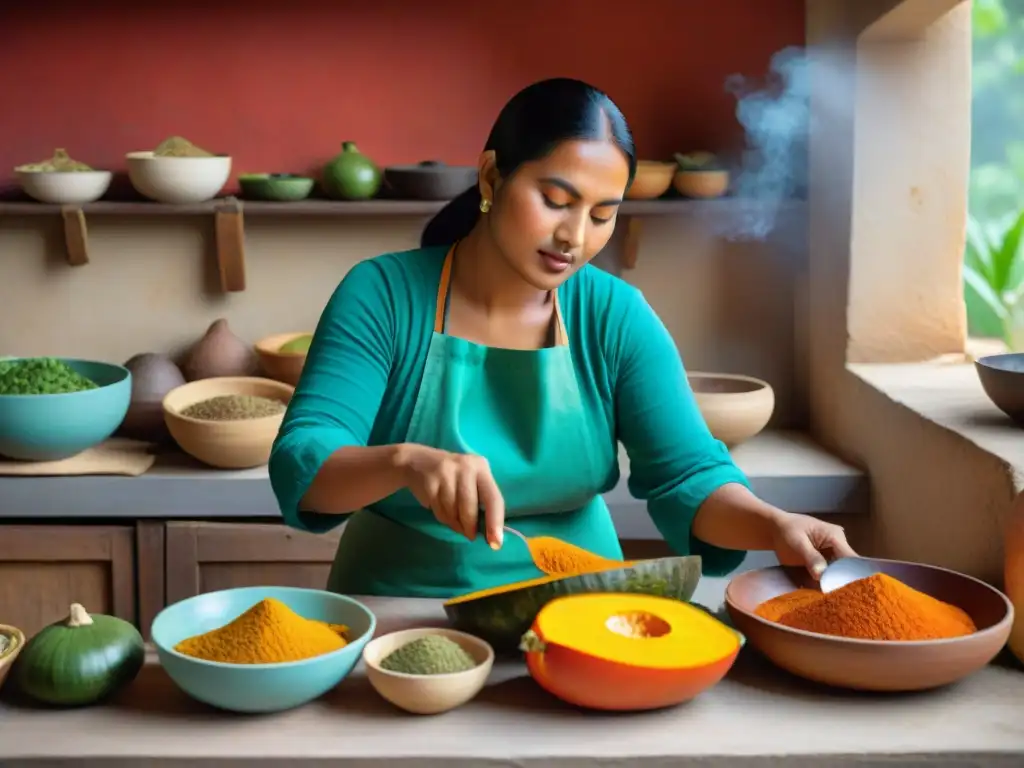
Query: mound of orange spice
pixel 878 607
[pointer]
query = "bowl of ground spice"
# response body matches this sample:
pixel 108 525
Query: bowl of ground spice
pixel 228 422
pixel 53 408
pixel 907 627
pixel 261 649
pixel 429 670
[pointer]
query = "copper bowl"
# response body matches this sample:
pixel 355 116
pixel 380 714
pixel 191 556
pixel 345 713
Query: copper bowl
pixel 874 665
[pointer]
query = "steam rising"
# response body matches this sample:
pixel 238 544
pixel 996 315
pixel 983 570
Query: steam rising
pixel 775 115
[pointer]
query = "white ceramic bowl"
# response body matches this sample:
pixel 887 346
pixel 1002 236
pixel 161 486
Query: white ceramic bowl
pixel 427 694
pixel 64 187
pixel 178 180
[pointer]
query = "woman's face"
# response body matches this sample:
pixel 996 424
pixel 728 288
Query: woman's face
pixel 555 214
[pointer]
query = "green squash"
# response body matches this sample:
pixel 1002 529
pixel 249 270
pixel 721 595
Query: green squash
pixel 351 175
pixel 80 660
pixel 503 614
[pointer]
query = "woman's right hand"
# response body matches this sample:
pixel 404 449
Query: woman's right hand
pixel 455 486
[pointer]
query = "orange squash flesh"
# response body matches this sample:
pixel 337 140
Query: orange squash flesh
pixel 627 651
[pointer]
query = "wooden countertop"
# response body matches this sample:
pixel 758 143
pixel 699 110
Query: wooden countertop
pixel 758 716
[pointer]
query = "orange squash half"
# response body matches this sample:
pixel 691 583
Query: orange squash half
pixel 627 651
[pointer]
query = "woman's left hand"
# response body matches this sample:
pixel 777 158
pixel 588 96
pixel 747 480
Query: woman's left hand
pixel 804 540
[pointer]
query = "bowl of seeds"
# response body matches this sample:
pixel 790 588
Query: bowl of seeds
pixel 228 422
pixel 52 408
pixel 429 670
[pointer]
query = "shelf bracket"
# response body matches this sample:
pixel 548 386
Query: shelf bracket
pixel 229 226
pixel 76 235
pixel 631 245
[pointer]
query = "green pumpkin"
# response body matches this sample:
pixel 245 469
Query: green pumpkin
pixel 80 660
pixel 351 175
pixel 502 615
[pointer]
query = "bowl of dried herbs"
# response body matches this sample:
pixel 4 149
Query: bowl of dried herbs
pixel 52 408
pixel 228 422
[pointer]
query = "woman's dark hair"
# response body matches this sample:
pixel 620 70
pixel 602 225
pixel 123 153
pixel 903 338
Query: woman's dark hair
pixel 531 125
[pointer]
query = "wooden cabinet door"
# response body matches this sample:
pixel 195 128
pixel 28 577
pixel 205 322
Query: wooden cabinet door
pixel 45 568
pixel 206 557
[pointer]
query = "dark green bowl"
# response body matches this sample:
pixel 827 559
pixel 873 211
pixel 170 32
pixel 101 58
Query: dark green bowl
pixel 279 187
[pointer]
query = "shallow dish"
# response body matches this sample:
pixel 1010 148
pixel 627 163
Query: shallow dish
pixel 429 180
pixel 428 694
pixel 55 427
pixel 1002 378
pixel 64 187
pixel 178 180
pixel 279 187
pixel 16 638
pixel 735 407
pixel 869 664
pixel 259 687
pixel 236 444
pixel 278 365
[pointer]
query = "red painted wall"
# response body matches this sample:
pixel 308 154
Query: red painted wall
pixel 279 85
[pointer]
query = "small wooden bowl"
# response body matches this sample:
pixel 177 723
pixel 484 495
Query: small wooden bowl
pixel 703 184
pixel 428 694
pixel 17 640
pixel 735 407
pixel 652 179
pixel 225 444
pixel 875 665
pixel 278 365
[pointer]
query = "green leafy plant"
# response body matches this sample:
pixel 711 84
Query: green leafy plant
pixel 993 272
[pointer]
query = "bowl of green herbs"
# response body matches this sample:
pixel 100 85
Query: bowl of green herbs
pixel 52 408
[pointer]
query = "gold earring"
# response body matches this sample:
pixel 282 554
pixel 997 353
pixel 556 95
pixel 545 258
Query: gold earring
pixel 485 205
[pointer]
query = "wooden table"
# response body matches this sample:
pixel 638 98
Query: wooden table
pixel 758 716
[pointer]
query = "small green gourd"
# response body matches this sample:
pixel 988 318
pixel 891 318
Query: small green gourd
pixel 80 660
pixel 351 175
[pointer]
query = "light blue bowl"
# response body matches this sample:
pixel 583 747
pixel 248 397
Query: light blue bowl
pixel 259 687
pixel 54 427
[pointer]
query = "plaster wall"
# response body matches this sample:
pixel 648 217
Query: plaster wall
pixel 889 166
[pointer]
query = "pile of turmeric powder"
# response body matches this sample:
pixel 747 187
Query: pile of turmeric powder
pixel 560 558
pixel 878 607
pixel 269 632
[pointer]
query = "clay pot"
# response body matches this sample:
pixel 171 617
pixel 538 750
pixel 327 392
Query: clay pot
pixel 153 376
pixel 430 180
pixel 351 175
pixel 735 407
pixel 652 180
pixel 219 353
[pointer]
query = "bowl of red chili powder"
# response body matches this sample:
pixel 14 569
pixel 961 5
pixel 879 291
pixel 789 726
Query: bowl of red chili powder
pixel 908 627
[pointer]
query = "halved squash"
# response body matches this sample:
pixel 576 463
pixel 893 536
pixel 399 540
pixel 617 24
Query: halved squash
pixel 627 652
pixel 501 615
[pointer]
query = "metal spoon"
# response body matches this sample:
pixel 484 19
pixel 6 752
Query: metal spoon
pixel 515 532
pixel 841 572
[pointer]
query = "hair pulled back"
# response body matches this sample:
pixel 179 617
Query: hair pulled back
pixel 529 127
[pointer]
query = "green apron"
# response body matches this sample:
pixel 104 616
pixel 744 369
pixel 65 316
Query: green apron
pixel 520 409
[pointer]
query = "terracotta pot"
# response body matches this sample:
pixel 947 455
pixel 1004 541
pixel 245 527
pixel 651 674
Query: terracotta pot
pixel 702 184
pixel 652 180
pixel 278 365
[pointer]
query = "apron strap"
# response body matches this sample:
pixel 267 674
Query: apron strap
pixel 561 336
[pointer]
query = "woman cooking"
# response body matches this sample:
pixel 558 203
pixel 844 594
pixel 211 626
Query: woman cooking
pixel 488 376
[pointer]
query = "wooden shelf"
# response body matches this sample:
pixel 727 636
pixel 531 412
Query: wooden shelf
pixel 664 207
pixel 229 216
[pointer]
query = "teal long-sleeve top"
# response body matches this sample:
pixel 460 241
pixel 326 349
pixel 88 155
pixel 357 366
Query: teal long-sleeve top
pixel 362 372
